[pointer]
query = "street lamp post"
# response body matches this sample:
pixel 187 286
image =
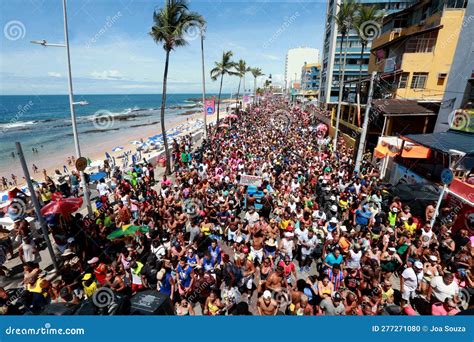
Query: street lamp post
pixel 203 84
pixel 85 186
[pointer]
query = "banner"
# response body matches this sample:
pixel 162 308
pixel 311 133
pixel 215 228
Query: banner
pixel 210 106
pixel 250 180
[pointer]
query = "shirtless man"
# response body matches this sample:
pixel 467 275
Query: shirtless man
pixel 276 281
pixel 266 305
pixel 256 251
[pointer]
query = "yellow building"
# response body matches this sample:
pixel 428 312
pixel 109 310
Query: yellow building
pixel 413 57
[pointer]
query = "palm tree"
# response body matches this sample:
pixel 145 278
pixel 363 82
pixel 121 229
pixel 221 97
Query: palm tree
pixel 256 72
pixel 170 25
pixel 224 67
pixel 345 22
pixel 367 24
pixel 241 69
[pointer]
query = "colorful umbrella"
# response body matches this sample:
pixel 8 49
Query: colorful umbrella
pixel 117 149
pixel 64 206
pixel 233 116
pixel 127 230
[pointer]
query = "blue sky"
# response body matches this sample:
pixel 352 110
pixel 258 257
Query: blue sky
pixel 113 54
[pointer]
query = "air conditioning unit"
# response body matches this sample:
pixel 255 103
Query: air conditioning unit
pixel 442 75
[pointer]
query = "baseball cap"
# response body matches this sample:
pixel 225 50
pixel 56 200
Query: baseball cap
pixel 433 258
pixel 337 296
pixel 267 294
pixel 418 265
pixel 392 249
pixel 333 220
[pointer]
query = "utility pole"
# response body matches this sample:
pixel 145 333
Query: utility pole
pixel 203 84
pixel 363 135
pixel 85 186
pixel 36 205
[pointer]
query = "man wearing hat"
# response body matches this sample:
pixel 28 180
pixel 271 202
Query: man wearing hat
pixel 266 305
pixel 333 306
pixel 410 281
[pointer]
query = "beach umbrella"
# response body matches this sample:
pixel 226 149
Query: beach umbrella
pixel 135 142
pixel 117 149
pixel 127 230
pixel 233 116
pixel 64 206
pixel 224 125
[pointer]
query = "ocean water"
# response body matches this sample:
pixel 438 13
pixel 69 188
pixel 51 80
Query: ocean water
pixel 44 122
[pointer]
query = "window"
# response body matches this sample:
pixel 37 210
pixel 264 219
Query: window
pixel 419 80
pixel 403 80
pixel 441 77
pixel 421 44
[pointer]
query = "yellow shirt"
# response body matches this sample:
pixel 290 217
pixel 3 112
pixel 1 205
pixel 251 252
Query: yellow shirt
pixel 89 290
pixel 410 227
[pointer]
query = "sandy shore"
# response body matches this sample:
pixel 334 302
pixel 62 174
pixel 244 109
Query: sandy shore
pixel 95 149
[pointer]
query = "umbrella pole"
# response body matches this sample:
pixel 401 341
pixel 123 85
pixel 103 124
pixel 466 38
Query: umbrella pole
pixel 34 199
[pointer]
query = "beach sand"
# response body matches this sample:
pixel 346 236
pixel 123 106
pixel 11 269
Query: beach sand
pixel 95 149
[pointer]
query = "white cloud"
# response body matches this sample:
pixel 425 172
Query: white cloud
pixel 54 74
pixel 107 75
pixel 271 57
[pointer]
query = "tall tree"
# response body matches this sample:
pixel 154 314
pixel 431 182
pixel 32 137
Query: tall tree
pixel 367 23
pixel 345 22
pixel 256 72
pixel 171 23
pixel 241 69
pixel 224 67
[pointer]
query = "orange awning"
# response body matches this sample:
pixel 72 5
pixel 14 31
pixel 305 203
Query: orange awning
pixel 415 151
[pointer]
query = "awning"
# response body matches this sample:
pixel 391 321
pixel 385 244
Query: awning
pixel 392 146
pixel 397 107
pixel 445 141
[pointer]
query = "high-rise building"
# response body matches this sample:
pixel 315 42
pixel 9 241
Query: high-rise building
pixel 310 78
pixel 332 54
pixel 295 59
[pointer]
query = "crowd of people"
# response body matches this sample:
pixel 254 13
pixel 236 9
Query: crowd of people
pixel 305 235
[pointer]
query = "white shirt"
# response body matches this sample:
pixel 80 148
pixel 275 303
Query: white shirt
pixel 103 189
pixel 442 291
pixel 310 242
pixel 411 279
pixel 354 261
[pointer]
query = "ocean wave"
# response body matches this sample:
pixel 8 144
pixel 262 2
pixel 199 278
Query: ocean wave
pixel 17 124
